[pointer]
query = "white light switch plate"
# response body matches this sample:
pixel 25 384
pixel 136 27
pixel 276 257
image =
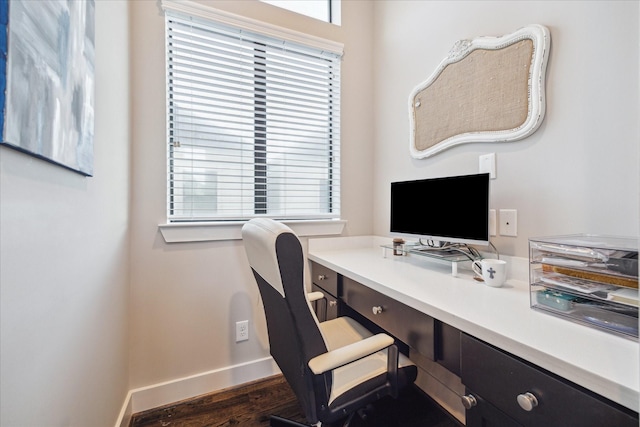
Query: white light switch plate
pixel 487 164
pixel 492 222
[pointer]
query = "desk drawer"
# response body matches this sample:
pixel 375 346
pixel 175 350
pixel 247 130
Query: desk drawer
pixel 447 346
pixel 408 325
pixel 325 278
pixel 500 378
pixel 327 307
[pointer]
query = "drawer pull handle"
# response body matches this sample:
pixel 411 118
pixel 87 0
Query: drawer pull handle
pixel 469 401
pixel 322 277
pixel 333 303
pixel 527 401
pixel 376 310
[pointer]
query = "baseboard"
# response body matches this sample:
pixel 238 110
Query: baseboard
pixel 124 419
pixel 161 394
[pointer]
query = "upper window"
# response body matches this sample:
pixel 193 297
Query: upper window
pixel 324 10
pixel 253 124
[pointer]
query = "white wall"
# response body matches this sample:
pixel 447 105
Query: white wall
pixel 563 179
pixel 187 297
pixel 64 264
pixel 579 172
pixel 65 302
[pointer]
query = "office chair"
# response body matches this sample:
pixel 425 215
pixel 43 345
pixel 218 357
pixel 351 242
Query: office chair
pixel 335 367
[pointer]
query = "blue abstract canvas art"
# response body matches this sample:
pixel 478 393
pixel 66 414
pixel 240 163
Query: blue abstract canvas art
pixel 49 75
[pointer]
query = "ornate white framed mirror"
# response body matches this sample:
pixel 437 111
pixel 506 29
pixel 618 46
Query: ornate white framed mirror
pixel 489 89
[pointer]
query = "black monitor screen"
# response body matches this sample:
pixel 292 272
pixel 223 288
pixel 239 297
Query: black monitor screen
pixel 451 209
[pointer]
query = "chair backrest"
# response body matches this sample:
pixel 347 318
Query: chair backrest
pixel 278 263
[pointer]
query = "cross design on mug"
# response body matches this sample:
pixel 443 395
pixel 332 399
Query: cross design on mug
pixel 491 272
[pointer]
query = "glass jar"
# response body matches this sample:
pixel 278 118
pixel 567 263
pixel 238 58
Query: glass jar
pixel 398 246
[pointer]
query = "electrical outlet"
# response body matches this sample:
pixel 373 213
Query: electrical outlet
pixel 508 222
pixel 242 330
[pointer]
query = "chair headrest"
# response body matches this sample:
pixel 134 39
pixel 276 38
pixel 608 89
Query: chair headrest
pixel 260 236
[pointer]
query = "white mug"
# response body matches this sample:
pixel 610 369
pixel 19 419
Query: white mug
pixel 493 271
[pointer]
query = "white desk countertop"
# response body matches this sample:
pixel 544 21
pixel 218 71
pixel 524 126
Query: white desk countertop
pixel 599 361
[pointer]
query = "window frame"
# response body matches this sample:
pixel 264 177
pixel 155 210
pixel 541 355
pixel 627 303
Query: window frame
pixel 333 15
pixel 176 231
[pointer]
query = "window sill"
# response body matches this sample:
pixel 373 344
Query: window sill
pixel 215 231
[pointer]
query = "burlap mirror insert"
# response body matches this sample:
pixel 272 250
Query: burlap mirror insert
pixel 487 89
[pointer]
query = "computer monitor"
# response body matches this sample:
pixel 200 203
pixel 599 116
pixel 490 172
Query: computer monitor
pixel 451 209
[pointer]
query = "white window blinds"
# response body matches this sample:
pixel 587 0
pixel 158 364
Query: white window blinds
pixel 253 124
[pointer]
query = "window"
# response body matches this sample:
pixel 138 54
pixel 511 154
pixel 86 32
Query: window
pixel 253 124
pixel 324 10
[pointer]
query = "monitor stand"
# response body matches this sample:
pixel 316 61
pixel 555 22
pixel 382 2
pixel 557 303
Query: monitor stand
pixel 448 255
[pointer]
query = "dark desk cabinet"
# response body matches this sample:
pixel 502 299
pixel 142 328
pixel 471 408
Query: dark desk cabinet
pixel 326 281
pixel 344 296
pixel 447 347
pixel 504 391
pixel 405 323
pixel 501 389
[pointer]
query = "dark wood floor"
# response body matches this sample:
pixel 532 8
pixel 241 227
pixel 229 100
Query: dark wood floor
pixel 252 404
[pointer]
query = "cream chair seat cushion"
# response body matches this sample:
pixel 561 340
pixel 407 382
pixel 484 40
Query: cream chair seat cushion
pixel 343 331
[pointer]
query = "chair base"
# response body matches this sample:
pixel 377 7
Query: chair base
pixel 276 421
